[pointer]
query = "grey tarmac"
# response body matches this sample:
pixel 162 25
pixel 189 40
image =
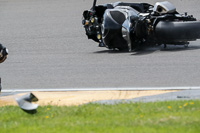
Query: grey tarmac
pixel 48 48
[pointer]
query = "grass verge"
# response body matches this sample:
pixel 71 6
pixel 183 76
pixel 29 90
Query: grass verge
pixel 162 117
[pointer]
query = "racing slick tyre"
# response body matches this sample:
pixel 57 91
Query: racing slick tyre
pixel 3 53
pixel 177 31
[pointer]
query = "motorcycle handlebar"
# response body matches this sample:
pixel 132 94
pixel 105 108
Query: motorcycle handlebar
pixel 94 4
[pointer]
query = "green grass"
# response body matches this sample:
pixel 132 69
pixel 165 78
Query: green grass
pixel 164 117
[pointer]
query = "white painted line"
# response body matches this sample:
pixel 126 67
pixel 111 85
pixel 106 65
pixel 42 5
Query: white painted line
pixel 99 89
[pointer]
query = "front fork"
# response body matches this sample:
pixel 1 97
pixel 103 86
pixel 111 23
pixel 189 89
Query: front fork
pixel 93 27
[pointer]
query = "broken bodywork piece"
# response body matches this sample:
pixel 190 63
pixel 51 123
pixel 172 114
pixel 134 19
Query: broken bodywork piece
pixel 24 102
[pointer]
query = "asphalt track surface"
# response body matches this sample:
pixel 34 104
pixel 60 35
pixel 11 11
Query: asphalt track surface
pixel 48 48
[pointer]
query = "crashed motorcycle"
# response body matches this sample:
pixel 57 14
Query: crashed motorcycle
pixel 3 53
pixel 129 26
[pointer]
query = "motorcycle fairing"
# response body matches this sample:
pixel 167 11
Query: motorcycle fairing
pixel 117 26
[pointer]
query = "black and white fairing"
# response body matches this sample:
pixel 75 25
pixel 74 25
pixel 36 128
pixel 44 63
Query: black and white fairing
pixel 119 24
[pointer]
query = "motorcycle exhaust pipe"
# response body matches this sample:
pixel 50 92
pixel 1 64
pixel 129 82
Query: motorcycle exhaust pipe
pixel 177 31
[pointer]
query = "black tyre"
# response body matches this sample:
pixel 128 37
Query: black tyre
pixel 3 53
pixel 178 31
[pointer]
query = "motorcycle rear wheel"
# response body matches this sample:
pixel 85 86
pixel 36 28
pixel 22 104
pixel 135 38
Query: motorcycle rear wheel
pixel 168 31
